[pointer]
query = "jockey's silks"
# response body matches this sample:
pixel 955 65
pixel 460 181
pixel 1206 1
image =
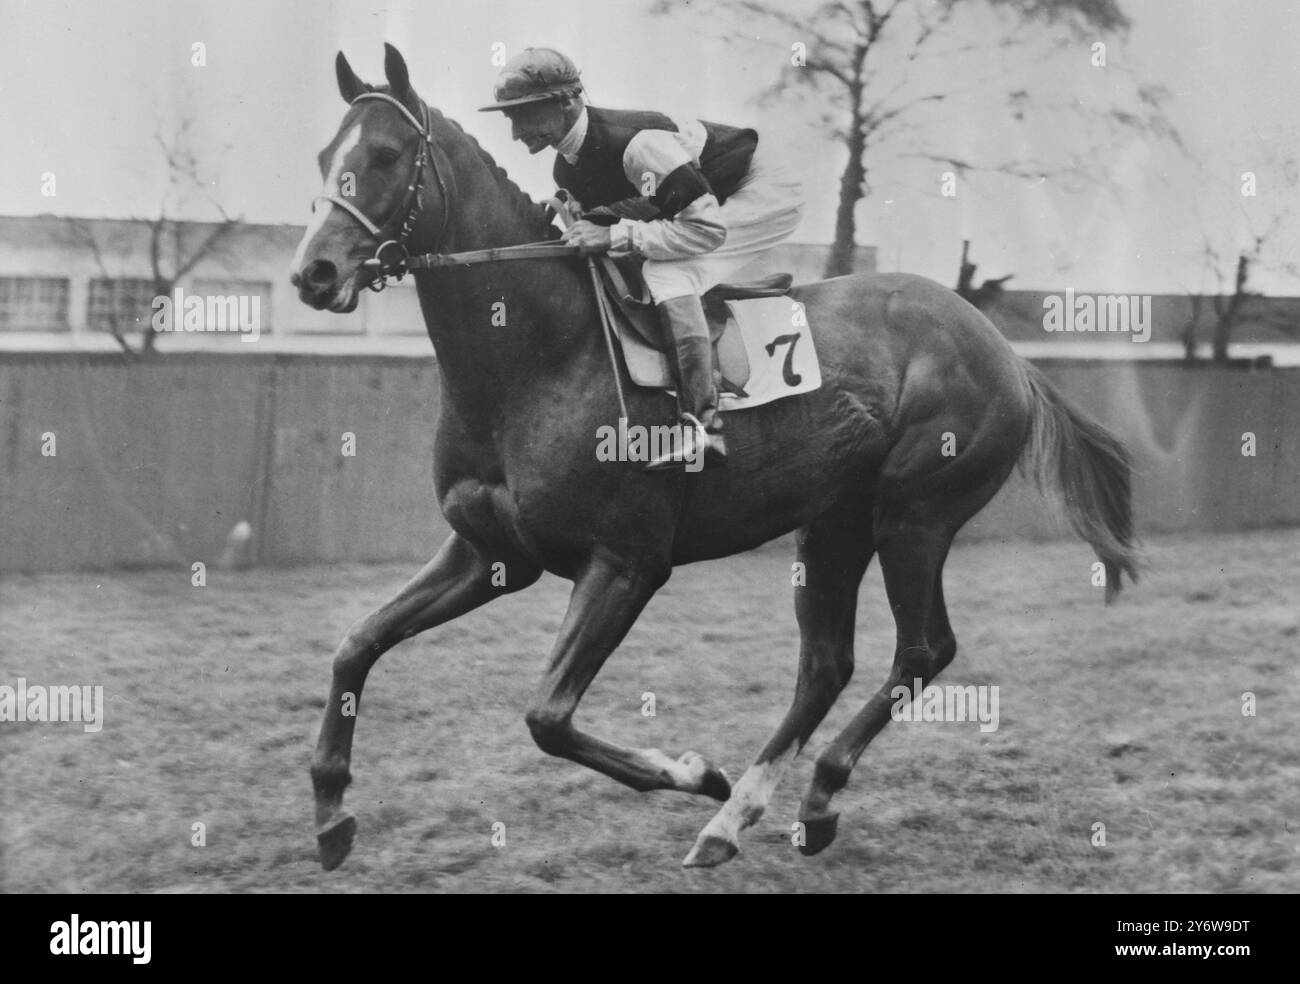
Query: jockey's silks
pixel 600 177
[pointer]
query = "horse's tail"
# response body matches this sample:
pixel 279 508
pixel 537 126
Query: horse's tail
pixel 1090 468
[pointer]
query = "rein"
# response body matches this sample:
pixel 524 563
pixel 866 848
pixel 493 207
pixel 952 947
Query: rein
pixel 498 254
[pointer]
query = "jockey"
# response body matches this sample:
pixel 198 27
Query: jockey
pixel 695 199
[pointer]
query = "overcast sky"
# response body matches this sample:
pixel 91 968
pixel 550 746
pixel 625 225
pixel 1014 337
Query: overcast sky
pixel 84 86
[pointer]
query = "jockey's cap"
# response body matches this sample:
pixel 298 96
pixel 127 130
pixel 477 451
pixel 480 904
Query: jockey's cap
pixel 534 75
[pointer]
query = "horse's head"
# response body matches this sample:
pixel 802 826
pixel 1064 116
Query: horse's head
pixel 383 191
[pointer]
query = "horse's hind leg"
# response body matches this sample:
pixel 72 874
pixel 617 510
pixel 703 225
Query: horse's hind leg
pixel 923 499
pixel 835 551
pixel 457 580
pixel 943 643
pixel 911 560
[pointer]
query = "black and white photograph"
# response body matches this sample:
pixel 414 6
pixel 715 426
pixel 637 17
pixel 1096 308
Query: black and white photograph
pixel 651 447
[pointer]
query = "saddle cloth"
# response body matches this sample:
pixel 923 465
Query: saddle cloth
pixel 762 348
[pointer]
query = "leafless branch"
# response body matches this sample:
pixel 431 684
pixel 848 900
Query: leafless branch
pixel 84 233
pixel 206 248
pixel 872 120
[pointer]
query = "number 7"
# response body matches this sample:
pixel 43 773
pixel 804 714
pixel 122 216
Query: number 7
pixel 791 377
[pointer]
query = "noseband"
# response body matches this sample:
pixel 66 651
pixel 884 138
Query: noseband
pixel 391 256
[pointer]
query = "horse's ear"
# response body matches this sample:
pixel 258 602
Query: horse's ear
pixel 349 85
pixel 399 79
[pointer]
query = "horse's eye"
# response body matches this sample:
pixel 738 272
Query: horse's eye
pixel 386 156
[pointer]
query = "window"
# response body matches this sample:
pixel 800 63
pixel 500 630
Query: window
pixel 128 303
pixel 33 304
pixel 245 291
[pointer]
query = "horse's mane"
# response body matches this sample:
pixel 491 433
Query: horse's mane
pixel 519 199
pixel 536 216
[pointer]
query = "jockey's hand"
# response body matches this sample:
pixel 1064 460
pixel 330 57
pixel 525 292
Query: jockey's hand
pixel 588 237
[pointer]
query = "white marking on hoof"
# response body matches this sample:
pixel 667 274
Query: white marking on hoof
pixel 718 831
pixel 749 798
pixel 686 773
pixel 696 768
pixel 709 852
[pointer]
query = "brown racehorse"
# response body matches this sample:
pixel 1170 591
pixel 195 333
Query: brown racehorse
pixel 860 467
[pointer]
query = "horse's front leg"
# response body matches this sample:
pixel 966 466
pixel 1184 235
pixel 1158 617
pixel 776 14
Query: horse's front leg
pixel 460 578
pixel 607 598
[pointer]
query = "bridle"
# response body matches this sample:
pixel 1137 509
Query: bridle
pixel 392 260
pixel 391 256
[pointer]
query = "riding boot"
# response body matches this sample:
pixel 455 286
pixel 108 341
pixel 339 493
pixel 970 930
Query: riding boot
pixel 697 397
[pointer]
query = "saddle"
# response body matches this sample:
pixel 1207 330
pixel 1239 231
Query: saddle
pixel 643 341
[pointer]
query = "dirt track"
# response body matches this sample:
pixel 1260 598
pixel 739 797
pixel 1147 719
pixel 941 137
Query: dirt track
pixel 1130 716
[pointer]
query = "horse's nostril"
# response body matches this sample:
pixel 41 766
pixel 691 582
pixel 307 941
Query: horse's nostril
pixel 294 279
pixel 320 274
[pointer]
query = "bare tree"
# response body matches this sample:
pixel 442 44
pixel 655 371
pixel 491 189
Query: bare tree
pixel 175 247
pixel 1188 334
pixel 1229 310
pixel 1261 233
pixel 880 69
pixel 1241 305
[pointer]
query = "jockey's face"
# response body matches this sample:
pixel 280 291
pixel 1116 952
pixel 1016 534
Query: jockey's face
pixel 542 124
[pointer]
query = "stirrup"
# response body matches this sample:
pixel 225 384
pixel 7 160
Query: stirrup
pixel 710 449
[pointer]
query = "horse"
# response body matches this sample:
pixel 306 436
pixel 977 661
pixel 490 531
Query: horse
pixel 923 413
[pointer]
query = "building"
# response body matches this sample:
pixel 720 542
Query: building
pixel 65 281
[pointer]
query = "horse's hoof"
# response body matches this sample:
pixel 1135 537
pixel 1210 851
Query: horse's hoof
pixel 334 840
pixel 716 785
pixel 818 833
pixel 713 782
pixel 710 851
